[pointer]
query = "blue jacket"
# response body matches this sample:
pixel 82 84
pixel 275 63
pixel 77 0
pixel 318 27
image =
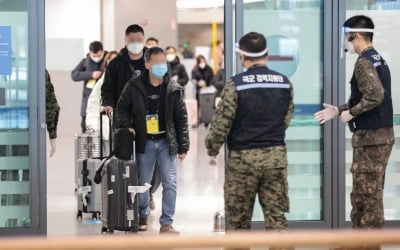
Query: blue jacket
pixel 83 72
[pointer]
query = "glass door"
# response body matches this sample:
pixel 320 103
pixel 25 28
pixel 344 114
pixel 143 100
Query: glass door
pixel 297 33
pixel 385 15
pixel 22 167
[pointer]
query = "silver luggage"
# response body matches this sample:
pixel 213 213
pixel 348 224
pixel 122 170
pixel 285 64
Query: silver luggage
pixel 89 154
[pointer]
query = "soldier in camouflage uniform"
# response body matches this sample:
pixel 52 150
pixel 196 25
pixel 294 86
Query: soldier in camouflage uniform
pixel 252 116
pixel 370 116
pixel 52 113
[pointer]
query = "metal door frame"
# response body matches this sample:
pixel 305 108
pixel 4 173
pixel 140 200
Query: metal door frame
pixel 234 25
pixel 341 89
pixel 37 123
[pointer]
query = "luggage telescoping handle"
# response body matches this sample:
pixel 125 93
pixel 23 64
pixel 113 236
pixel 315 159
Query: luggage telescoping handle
pixel 97 177
pixel 101 133
pixel 134 148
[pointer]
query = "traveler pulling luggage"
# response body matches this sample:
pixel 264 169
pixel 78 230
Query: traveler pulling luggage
pixel 119 181
pixel 88 193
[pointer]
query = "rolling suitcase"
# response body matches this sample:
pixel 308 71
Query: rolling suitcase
pixel 119 180
pixel 86 146
pixel 207 102
pixel 88 193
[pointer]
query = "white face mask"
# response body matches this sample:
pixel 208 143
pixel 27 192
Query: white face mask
pixel 349 47
pixel 171 57
pixel 135 48
pixel 202 65
pixel 96 59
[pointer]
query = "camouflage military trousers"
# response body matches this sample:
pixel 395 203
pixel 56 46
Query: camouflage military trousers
pixel 252 172
pixel 368 170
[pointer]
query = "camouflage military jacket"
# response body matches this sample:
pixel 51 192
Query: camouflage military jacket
pixel 52 108
pixel 372 91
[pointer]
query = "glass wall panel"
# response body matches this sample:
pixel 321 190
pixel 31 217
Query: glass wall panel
pixel 294 31
pixel 14 115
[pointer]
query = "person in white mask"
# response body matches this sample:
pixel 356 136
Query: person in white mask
pixel 89 70
pixel 369 114
pixel 202 76
pixel 176 70
pixel 129 63
pixel 94 108
pixel 156 106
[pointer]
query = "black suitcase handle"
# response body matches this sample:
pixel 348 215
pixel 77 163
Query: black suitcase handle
pixel 97 177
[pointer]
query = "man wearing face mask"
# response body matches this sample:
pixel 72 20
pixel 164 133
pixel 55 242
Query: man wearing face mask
pixel 151 42
pixel 152 107
pixel 129 63
pixel 89 70
pixel 176 70
pixel 257 161
pixel 369 113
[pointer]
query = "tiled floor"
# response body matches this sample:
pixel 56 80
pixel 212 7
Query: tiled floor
pixel 200 193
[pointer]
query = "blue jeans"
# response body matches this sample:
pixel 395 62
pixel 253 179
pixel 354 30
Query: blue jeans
pixel 158 150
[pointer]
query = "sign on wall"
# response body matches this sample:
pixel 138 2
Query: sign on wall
pixel 5 50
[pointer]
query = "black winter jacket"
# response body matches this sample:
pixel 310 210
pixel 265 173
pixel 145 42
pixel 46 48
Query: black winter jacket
pixel 117 75
pixel 131 113
pixel 175 68
pixel 205 74
pixel 219 81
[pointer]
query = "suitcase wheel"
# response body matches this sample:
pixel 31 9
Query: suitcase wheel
pixel 133 230
pixel 79 215
pixel 96 216
pixel 105 230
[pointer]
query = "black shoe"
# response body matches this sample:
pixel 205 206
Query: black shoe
pixel 143 224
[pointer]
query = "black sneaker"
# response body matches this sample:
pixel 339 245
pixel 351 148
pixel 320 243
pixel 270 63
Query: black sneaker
pixel 143 224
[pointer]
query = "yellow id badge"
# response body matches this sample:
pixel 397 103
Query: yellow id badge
pixel 90 84
pixel 152 124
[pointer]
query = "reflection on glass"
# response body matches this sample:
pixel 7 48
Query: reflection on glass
pixel 294 35
pixel 14 121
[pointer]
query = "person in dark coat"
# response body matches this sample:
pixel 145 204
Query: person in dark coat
pixel 176 70
pixel 89 70
pixel 129 63
pixel 202 73
pixel 152 107
pixel 219 80
pixel 202 76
